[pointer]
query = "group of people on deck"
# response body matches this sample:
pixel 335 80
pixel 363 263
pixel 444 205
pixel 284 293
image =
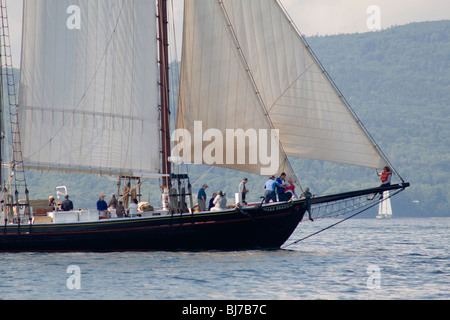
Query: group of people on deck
pixel 218 202
pixel 114 204
pixel 276 188
pixel 273 187
pixel 65 205
pixel 286 191
pixel 103 207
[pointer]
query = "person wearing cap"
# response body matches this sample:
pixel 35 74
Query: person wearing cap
pixel 243 189
pixel 201 198
pixel 102 206
pixel 66 205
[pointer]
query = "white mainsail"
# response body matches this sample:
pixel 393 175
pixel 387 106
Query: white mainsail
pixel 88 99
pixel 92 88
pixel 244 65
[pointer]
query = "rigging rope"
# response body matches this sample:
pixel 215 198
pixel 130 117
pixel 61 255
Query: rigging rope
pixel 342 221
pixel 207 172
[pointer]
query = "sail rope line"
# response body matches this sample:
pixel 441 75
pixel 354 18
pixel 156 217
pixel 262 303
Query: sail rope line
pixel 342 221
pixel 206 173
pixel 253 82
pixel 71 113
pixel 290 86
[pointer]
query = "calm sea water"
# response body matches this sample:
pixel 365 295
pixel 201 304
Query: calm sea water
pixel 360 259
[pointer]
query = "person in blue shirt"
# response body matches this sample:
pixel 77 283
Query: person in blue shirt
pixel 281 192
pixel 102 206
pixel 211 201
pixel 270 189
pixel 201 198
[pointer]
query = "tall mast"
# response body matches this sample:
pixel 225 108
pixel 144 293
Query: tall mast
pixel 163 41
pixel 16 181
pixel 1 123
pixel 1 106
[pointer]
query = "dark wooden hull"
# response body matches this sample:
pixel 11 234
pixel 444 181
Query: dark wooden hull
pixel 258 227
pixel 266 227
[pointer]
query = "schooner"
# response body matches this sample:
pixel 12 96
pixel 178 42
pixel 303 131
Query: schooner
pixel 93 98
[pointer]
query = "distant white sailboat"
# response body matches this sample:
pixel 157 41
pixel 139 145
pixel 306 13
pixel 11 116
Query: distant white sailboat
pixel 385 208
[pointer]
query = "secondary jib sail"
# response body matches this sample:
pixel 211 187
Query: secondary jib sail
pixel 88 96
pixel 245 66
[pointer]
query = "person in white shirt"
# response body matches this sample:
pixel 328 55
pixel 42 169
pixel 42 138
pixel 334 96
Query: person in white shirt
pixel 220 202
pixel 133 208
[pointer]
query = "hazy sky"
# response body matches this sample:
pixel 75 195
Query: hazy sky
pixel 311 16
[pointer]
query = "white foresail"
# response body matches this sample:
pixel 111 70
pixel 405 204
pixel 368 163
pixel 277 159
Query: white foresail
pixel 88 99
pixel 244 65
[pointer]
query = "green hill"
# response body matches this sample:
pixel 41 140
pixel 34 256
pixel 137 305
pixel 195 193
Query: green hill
pixel 397 81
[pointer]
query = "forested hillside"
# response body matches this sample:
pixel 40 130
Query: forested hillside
pixel 397 81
